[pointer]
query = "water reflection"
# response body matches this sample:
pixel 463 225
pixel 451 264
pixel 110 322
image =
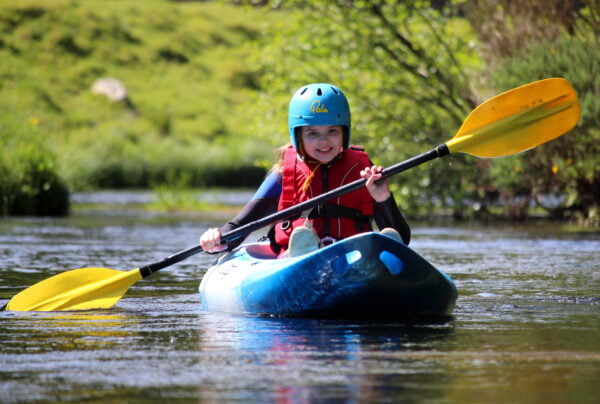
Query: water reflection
pixel 64 331
pixel 302 360
pixel 255 333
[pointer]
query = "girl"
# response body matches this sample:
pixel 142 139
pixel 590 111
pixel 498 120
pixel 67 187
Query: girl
pixel 318 160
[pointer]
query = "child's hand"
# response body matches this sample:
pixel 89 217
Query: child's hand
pixel 211 241
pixel 380 191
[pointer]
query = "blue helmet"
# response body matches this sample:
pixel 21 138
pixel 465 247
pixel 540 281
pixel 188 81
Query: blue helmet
pixel 319 104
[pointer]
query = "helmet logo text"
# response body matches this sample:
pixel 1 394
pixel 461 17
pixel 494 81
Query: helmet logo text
pixel 317 107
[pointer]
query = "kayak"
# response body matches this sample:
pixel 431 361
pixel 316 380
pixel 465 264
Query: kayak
pixel 367 275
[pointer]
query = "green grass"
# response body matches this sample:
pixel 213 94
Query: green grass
pixel 183 65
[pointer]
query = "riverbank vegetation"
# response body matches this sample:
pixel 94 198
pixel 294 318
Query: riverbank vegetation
pixel 178 117
pixel 207 85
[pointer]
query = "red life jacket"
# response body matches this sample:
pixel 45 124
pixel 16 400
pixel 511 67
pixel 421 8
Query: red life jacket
pixel 339 218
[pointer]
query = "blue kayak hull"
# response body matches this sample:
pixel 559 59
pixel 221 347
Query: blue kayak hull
pixel 367 275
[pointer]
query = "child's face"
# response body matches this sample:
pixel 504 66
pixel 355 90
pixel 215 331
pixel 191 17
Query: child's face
pixel 323 142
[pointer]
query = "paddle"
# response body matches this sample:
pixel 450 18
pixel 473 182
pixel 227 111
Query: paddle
pixel 511 122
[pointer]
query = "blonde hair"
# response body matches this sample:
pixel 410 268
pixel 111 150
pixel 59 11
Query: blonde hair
pixel 280 154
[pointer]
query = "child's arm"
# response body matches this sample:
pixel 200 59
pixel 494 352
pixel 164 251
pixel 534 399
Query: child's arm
pixel 263 203
pixel 387 214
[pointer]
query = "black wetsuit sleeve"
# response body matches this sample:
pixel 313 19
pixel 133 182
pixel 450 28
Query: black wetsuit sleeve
pixel 387 214
pixel 254 210
pixel 263 203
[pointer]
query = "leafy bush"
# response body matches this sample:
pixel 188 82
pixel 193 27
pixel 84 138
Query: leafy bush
pixel 567 166
pixel 531 40
pixel 29 181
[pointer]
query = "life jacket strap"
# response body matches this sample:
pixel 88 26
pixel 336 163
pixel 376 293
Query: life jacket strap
pixel 330 210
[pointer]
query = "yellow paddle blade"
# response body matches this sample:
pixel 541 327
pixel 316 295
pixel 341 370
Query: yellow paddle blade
pixel 79 289
pixel 518 120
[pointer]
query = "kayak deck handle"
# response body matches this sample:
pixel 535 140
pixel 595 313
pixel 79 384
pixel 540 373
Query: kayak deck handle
pixel 342 263
pixel 391 262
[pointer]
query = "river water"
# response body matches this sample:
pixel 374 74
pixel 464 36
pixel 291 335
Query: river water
pixel 526 327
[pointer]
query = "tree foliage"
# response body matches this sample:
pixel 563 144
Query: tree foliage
pixel 414 69
pixel 407 70
pixel 530 40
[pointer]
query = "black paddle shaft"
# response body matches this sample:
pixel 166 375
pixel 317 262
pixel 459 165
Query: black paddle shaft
pixel 243 231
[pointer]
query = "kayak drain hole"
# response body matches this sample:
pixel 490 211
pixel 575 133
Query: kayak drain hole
pixel 391 262
pixel 341 264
